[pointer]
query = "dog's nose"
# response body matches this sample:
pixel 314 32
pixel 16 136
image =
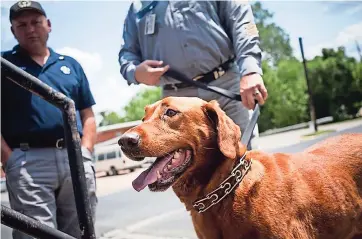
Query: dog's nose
pixel 129 141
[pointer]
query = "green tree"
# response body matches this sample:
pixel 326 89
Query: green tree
pixel 287 101
pixel 336 84
pixel 109 118
pixel 274 41
pixel 135 109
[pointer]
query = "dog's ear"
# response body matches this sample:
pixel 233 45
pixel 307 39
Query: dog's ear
pixel 228 133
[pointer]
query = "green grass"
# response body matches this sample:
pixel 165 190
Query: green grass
pixel 319 132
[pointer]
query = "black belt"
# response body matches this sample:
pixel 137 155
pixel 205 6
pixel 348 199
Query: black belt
pixel 215 74
pixel 43 143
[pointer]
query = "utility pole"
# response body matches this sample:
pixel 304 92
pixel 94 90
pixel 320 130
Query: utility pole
pixel 359 51
pixel 310 93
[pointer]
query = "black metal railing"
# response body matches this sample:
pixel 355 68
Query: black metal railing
pixel 22 222
pixel 30 226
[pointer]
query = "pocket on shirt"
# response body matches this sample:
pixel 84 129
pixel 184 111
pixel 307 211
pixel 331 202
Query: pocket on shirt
pixel 146 41
pixel 200 9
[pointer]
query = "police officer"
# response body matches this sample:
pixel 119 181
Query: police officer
pixel 214 42
pixel 33 150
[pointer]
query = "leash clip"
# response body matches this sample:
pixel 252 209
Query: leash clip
pixel 58 145
pixel 174 86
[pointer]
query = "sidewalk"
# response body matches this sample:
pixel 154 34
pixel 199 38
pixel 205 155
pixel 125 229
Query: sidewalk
pixel 123 234
pixel 294 137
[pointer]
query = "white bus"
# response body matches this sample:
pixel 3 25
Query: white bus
pixel 110 159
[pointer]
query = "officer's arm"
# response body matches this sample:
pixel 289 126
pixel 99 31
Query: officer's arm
pixel 5 151
pixel 89 128
pixel 84 103
pixel 129 55
pixel 238 20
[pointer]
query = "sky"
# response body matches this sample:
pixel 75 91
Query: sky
pixel 91 32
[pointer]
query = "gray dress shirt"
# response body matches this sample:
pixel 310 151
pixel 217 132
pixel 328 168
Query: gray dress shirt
pixel 193 37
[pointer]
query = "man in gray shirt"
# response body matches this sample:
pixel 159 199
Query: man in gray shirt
pixel 214 42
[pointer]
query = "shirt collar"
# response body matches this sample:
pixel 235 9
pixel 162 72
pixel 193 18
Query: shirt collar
pixel 53 57
pixel 146 7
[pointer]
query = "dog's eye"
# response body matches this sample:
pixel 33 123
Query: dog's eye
pixel 170 112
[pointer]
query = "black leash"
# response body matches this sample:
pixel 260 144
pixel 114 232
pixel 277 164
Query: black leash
pixel 231 95
pixel 181 77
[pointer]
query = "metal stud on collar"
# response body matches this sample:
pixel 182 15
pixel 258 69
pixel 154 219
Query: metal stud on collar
pixel 226 187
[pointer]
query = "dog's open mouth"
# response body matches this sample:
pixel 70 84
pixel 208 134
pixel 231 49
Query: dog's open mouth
pixel 164 171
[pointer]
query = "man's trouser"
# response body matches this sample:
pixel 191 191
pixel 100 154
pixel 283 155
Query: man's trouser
pixel 40 186
pixel 234 109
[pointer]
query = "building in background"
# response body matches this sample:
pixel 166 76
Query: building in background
pixel 109 132
pixel 108 156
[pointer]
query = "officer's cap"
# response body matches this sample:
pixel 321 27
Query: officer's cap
pixel 21 6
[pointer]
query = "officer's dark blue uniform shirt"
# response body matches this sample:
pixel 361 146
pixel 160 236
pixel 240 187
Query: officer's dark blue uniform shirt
pixel 27 117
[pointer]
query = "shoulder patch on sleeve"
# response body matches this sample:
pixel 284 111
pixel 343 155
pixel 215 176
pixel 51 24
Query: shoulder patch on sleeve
pixel 251 29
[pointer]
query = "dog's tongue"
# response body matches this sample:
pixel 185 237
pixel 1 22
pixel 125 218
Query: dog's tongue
pixel 150 175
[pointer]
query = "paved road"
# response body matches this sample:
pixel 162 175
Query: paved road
pixel 145 215
pixel 301 146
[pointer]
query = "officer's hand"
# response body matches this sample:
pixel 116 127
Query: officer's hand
pixel 252 88
pixel 150 71
pixel 5 155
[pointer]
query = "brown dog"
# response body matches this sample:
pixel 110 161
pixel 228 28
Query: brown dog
pixel 313 194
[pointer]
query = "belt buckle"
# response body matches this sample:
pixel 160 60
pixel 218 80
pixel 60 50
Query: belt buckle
pixel 57 144
pixel 24 146
pixel 219 72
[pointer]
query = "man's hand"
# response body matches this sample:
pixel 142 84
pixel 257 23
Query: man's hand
pixel 4 158
pixel 252 88
pixel 89 128
pixel 150 71
pixel 5 152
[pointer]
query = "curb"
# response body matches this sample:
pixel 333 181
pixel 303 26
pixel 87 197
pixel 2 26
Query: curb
pixel 304 125
pixel 123 234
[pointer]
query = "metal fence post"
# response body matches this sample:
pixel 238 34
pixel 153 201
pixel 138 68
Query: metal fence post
pixel 72 138
pixel 29 225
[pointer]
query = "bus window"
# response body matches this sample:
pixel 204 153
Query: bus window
pixel 111 155
pixel 100 157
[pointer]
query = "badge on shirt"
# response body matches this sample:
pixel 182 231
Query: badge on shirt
pixel 65 70
pixel 150 24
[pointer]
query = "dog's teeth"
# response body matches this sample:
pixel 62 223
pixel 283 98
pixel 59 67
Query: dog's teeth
pixel 169 167
pixel 180 150
pixel 176 155
pixel 158 175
